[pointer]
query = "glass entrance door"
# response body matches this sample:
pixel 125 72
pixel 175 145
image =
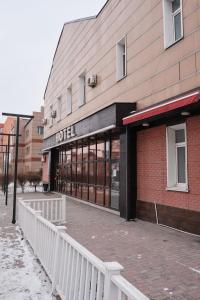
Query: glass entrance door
pixel 114 203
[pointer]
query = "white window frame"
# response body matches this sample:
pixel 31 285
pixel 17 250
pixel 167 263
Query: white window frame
pixel 172 161
pixel 40 130
pixel 69 100
pixel 121 59
pixel 82 90
pixel 59 108
pixel 168 23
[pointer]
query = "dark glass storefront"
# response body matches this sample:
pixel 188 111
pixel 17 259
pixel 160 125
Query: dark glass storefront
pixel 88 169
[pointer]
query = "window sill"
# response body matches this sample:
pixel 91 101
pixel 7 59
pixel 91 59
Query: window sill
pixel 119 79
pixel 81 105
pixel 178 189
pixel 174 43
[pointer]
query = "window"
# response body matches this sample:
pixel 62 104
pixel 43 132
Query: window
pixel 69 100
pixel 27 150
pixel 92 170
pixel 173 21
pixel 121 59
pixel 177 158
pixel 40 130
pixel 27 133
pixel 59 108
pixel 82 88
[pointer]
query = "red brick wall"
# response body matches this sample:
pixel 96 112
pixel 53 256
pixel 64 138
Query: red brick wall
pixel 152 171
pixel 45 174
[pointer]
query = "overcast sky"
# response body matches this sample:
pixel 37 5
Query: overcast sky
pixel 29 32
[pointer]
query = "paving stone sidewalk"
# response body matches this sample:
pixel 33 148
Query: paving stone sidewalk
pixel 21 276
pixel 163 263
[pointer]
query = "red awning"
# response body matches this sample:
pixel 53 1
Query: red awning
pixel 162 108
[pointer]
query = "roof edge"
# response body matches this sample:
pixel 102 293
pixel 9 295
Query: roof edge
pixel 66 23
pixel 80 20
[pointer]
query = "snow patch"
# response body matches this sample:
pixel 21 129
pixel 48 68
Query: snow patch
pixel 21 277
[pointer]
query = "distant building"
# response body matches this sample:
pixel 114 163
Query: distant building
pixel 122 111
pixel 33 142
pixel 30 142
pixel 9 125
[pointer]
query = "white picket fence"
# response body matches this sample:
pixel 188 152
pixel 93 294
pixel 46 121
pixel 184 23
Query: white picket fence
pixel 52 209
pixel 76 274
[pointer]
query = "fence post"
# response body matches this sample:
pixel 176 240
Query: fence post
pixel 56 259
pixel 64 207
pixel 112 268
pixel 37 214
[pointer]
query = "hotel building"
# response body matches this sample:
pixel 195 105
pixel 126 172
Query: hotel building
pixel 122 111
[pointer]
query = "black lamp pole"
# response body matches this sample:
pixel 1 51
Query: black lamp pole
pixel 5 173
pixel 6 164
pixel 18 116
pixel 7 183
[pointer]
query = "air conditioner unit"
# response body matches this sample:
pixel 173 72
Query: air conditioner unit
pixel 44 121
pixel 53 114
pixel 92 81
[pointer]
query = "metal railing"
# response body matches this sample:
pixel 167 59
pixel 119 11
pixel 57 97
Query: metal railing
pixel 76 274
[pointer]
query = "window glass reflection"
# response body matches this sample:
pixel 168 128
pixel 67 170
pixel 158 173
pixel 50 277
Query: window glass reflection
pixel 73 154
pixel 92 150
pixel 79 153
pixel 89 169
pixel 85 153
pixel 92 194
pixel 100 173
pixel 100 149
pixel 85 192
pixel 92 172
pixel 100 195
pixel 79 172
pixel 115 150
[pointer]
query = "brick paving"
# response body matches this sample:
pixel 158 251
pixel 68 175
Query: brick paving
pixel 163 263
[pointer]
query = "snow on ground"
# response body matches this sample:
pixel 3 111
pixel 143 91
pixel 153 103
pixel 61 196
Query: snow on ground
pixel 21 276
pixel 27 188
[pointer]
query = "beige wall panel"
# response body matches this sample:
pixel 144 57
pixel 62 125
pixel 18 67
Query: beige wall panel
pixel 198 61
pixel 191 22
pixel 172 91
pixel 190 6
pixel 187 66
pixel 153 72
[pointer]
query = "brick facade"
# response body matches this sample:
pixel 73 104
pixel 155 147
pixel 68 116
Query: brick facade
pixel 152 170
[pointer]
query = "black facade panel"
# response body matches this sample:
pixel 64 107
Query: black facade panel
pixel 111 115
pixel 128 174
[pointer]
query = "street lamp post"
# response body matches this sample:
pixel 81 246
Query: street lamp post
pixel 18 116
pixel 6 164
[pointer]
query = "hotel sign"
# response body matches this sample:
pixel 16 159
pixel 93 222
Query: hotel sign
pixel 65 134
pixel 108 116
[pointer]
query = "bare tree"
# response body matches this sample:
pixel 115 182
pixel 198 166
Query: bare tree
pixel 22 179
pixel 2 180
pixel 34 178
